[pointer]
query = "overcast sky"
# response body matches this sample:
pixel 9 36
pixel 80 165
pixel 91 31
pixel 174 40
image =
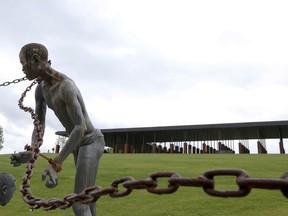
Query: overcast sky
pixel 150 62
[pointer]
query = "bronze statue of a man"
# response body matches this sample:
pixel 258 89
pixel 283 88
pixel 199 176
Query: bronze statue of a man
pixel 59 93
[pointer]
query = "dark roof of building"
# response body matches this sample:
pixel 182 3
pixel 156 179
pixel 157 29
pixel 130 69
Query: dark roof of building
pixel 202 132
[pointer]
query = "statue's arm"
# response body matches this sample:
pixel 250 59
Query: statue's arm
pixel 74 109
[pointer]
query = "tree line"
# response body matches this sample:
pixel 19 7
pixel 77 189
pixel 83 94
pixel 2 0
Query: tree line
pixel 59 141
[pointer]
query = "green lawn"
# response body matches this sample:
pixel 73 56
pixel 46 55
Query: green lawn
pixel 186 201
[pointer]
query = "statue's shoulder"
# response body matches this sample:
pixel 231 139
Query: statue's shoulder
pixel 67 81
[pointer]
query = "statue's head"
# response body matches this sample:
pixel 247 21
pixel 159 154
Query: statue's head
pixel 33 57
pixel 32 49
pixel 7 188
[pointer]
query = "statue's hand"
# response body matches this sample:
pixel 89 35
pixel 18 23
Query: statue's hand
pixel 20 158
pixel 53 176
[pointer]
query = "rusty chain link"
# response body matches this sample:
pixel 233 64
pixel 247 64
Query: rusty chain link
pixel 174 180
pixel 25 187
pixel 14 81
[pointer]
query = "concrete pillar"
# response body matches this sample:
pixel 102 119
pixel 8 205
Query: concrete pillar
pixel 211 151
pixel 57 148
pixel 115 149
pixel 185 148
pixel 194 150
pixel 189 149
pixel 153 148
pixel 220 146
pixel 160 149
pixel 208 149
pixel 261 149
pixel 204 148
pixel 281 146
pixel 165 149
pixel 171 148
pixel 176 149
pixel 126 148
pixel 241 148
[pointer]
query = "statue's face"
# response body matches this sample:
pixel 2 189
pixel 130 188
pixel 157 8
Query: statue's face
pixel 29 67
pixel 7 188
pixel 6 195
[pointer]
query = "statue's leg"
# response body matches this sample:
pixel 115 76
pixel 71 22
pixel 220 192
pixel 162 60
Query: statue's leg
pixel 86 171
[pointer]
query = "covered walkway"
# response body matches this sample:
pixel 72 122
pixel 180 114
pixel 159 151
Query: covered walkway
pixel 206 138
pixel 196 139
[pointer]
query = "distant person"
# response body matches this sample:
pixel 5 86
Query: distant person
pixel 59 93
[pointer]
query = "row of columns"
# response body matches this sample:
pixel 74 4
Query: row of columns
pixel 186 149
pixel 189 149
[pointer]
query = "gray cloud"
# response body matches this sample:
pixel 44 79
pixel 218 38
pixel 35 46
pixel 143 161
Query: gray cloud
pixel 118 70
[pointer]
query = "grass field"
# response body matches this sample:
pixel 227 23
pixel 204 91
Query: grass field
pixel 186 201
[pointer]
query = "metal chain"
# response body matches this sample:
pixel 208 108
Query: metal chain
pixel 14 81
pixel 175 180
pixel 25 187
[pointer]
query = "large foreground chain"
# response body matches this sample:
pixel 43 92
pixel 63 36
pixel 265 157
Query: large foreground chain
pixel 244 182
pixel 174 181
